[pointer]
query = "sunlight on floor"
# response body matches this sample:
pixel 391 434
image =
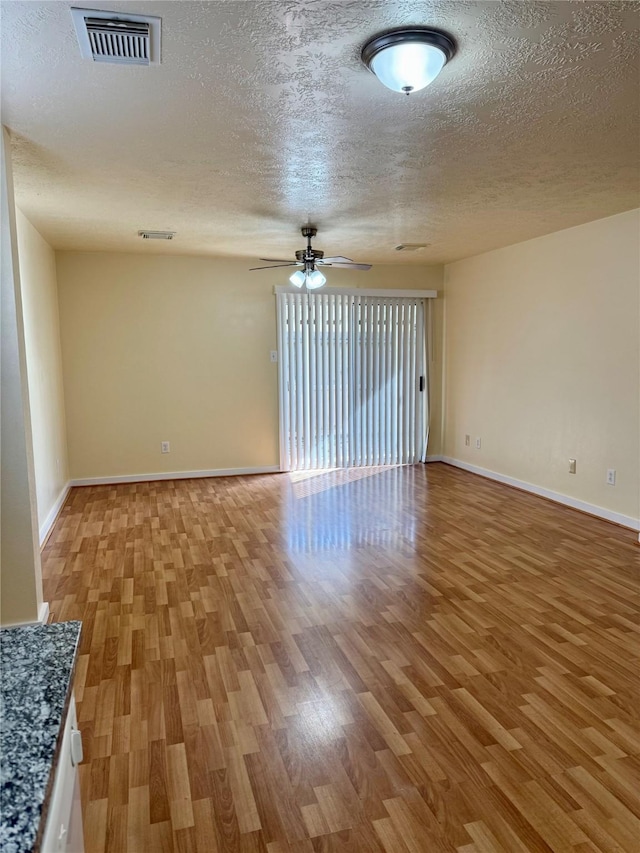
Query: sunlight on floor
pixel 311 482
pixel 343 508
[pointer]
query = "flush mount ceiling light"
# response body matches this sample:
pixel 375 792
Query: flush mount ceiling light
pixel 407 60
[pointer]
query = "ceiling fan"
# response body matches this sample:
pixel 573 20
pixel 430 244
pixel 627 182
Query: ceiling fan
pixel 309 259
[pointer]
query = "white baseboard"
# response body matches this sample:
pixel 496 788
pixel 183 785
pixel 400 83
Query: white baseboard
pixel 47 524
pixel 436 458
pixel 43 613
pixel 592 509
pixel 174 475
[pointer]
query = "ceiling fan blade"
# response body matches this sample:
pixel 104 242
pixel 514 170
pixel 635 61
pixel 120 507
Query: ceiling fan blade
pixel 274 266
pixel 350 266
pixel 338 259
pixel 278 260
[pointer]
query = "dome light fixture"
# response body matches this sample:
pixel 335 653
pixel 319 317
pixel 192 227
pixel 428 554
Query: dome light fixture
pixel 406 60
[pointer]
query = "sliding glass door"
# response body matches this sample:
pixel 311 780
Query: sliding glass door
pixel 352 380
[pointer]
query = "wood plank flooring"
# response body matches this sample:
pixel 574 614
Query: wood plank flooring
pixel 402 660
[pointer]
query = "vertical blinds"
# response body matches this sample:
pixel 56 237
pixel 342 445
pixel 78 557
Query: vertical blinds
pixel 352 380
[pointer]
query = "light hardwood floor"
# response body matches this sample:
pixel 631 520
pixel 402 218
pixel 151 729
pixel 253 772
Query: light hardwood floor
pixel 408 659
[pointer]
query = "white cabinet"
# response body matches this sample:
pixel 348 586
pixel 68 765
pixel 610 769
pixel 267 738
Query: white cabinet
pixel 63 829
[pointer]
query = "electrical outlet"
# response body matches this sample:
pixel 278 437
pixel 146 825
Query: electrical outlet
pixel 165 447
pixel 611 476
pixel 274 356
pixel 478 443
pixel 572 466
pixel 467 440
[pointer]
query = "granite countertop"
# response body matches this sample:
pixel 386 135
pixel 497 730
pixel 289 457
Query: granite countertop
pixel 36 667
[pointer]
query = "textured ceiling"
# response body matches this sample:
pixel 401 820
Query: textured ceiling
pixel 261 117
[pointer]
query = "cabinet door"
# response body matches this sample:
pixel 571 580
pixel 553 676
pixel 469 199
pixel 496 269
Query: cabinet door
pixel 63 830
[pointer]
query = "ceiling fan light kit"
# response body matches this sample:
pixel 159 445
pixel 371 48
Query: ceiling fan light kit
pixel 297 278
pixel 311 279
pixel 315 279
pixel 406 60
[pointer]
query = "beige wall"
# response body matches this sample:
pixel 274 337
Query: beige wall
pixel 542 361
pixel 20 573
pixel 435 355
pixel 177 348
pixel 44 367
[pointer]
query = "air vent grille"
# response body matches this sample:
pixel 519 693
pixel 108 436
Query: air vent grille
pixel 114 38
pixel 411 247
pixel 124 41
pixel 157 235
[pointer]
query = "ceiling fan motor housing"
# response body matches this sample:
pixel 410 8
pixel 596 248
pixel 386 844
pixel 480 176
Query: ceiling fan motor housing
pixel 309 255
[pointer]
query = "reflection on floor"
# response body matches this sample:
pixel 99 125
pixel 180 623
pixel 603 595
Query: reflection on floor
pixel 406 659
pixel 349 508
pixel 309 482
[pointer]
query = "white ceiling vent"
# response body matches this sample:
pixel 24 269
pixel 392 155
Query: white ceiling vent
pixel 121 39
pixel 157 235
